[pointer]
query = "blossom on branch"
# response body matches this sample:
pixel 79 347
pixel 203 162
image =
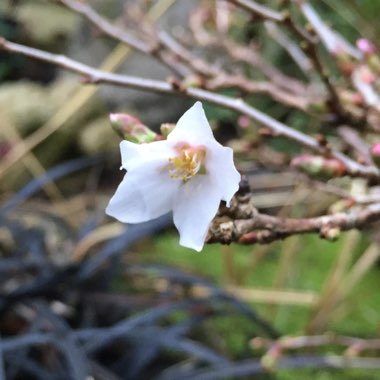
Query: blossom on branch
pixel 189 174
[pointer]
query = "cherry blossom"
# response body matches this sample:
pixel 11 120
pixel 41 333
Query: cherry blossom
pixel 189 173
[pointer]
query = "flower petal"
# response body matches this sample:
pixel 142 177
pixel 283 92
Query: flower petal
pixel 133 155
pixel 145 193
pixel 195 206
pixel 193 127
pixel 220 166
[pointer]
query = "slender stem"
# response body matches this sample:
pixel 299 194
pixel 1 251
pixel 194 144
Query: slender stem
pixel 259 10
pixel 262 228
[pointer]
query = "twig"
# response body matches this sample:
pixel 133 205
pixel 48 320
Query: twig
pixel 353 138
pixel 354 345
pixel 258 87
pixel 333 42
pixel 249 226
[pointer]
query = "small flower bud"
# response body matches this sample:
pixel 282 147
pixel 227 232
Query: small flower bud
pixel 366 75
pixel 193 81
pixel 375 153
pixel 5 147
pixel 253 237
pixel 131 128
pixel 270 359
pixel 365 46
pixel 330 233
pixel 319 166
pixel 240 146
pixel 345 63
pixel 318 107
pixel 352 98
pixel 244 121
pixel 166 128
pixel 341 205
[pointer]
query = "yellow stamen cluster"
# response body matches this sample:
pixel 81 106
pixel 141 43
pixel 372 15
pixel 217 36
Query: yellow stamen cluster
pixel 187 163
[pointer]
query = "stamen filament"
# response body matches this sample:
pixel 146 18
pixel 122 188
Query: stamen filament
pixel 187 163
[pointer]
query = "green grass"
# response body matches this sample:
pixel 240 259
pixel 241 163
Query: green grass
pixel 309 268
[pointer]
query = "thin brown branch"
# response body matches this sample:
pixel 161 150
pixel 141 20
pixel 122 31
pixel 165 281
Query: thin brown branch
pixel 195 63
pixel 248 226
pixel 352 137
pixel 91 75
pixel 334 101
pixel 353 345
pixel 258 87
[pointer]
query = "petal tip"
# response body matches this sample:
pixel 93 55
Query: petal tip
pixel 194 247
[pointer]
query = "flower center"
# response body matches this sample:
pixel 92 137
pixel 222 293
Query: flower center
pixel 187 163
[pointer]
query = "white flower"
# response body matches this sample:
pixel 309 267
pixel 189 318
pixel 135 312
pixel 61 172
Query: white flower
pixel 189 173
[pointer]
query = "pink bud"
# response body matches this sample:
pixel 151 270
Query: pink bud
pixel 4 148
pixel 375 149
pixel 366 75
pixel 131 128
pixel 365 46
pixel 124 120
pixel 357 98
pixel 166 128
pixel 329 233
pixel 244 121
pixel 375 153
pixel 319 166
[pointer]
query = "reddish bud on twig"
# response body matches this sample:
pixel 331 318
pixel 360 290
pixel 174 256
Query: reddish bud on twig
pixel 322 141
pixel 269 360
pixel 341 205
pixel 329 233
pixel 131 128
pixel 240 145
pixel 266 132
pixel 193 81
pixel 369 51
pixel 253 237
pixel 345 62
pixel 166 128
pixel 365 46
pixel 319 166
pixel 244 121
pixel 375 153
pixel 5 147
pixel 319 107
pixel 354 350
pixel 350 97
pixel 176 84
pixel 366 75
